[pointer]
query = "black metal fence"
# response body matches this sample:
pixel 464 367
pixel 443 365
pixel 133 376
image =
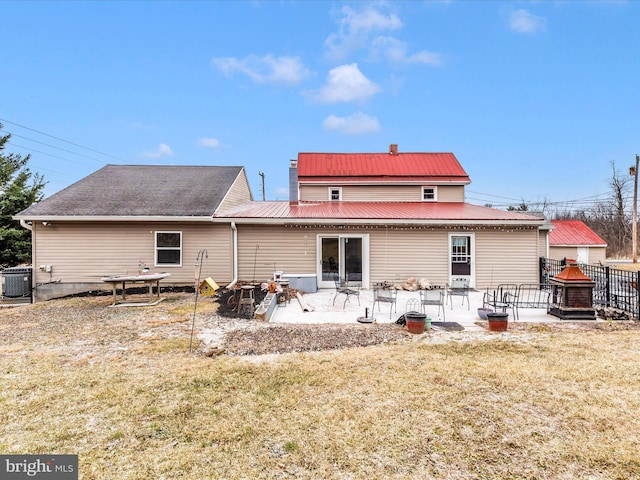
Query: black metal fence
pixel 614 287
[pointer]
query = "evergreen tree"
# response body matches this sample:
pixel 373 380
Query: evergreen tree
pixel 19 189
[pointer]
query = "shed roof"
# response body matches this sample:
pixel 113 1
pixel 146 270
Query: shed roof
pixel 575 233
pixel 141 190
pixel 375 212
pixel 443 167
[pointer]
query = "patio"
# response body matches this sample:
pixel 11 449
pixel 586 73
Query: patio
pixel 324 311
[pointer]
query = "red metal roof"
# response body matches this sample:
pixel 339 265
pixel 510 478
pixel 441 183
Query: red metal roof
pixel 376 212
pixel 573 232
pixel 379 166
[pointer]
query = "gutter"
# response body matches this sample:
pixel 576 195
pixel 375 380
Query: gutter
pixel 235 255
pixel 113 218
pixel 289 221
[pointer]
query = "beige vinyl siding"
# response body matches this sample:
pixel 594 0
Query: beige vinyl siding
pixel 450 193
pixel 397 255
pixel 508 256
pixel 499 257
pixel 596 254
pixel 380 193
pixel 238 194
pixel 543 236
pixel 86 252
pixel 394 254
pixel 560 253
pixel 263 250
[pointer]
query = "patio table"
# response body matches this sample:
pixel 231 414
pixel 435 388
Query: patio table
pixel 149 279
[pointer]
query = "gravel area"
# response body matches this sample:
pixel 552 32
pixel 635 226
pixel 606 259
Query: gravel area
pixel 88 327
pixel 303 338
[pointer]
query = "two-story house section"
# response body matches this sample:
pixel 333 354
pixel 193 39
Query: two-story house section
pixel 381 177
pixel 374 217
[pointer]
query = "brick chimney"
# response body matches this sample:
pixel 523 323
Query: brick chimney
pixel 393 149
pixel 293 183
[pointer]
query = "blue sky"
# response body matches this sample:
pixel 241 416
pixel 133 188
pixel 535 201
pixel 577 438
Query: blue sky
pixel 535 99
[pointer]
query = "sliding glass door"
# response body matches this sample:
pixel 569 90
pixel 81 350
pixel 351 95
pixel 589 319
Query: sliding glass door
pixel 342 257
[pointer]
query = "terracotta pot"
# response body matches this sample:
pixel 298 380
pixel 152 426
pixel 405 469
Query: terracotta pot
pixel 498 321
pixel 416 322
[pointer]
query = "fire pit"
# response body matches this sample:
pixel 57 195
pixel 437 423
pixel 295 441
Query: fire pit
pixel 572 296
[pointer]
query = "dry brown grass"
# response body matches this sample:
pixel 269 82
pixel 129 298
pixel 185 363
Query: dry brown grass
pixel 634 267
pixel 536 403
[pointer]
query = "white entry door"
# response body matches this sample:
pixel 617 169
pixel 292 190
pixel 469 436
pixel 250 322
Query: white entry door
pixel 342 257
pixel 461 257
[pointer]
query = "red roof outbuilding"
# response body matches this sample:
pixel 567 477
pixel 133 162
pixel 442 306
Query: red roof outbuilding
pixel 574 233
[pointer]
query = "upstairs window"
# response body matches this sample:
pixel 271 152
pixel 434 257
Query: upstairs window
pixel 429 194
pixel 169 249
pixel 335 194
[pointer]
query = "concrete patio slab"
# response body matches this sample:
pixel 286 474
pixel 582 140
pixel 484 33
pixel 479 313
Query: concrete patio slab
pixel 325 310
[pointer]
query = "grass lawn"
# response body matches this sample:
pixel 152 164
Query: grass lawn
pixel 536 404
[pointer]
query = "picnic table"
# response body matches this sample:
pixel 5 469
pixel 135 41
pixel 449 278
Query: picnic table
pixel 149 279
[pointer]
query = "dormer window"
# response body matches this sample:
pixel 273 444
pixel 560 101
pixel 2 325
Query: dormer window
pixel 429 194
pixel 335 194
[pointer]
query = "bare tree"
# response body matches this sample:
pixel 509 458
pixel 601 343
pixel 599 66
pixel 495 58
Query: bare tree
pixel 609 218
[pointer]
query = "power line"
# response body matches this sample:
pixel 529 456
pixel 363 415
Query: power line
pixel 62 140
pixel 44 153
pixel 52 146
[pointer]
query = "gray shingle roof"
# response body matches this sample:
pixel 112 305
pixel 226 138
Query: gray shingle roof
pixel 141 190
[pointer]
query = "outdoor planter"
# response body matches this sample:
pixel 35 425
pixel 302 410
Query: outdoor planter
pixel 417 322
pixel 482 313
pixel 498 321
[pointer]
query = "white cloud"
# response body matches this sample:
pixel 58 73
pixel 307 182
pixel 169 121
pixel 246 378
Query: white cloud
pixel 355 124
pixel 282 192
pixel 267 69
pixel 209 142
pixel 163 150
pixel 141 126
pixel 357 27
pixel 366 29
pixel 345 83
pixel 523 21
pixel 396 51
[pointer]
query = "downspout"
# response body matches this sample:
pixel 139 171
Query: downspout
pixel 235 255
pixel 24 224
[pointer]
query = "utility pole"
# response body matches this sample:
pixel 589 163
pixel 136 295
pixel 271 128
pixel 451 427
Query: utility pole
pixel 634 228
pixel 262 175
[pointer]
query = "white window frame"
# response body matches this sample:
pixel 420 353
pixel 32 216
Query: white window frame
pixel 157 249
pixel 339 192
pixel 435 193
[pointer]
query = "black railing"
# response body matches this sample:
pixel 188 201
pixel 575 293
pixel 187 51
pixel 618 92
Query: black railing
pixel 614 287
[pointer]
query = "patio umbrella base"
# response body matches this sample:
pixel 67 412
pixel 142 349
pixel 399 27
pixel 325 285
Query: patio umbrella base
pixel 366 319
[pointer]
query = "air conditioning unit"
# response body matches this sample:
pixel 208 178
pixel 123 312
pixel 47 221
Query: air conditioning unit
pixel 16 282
